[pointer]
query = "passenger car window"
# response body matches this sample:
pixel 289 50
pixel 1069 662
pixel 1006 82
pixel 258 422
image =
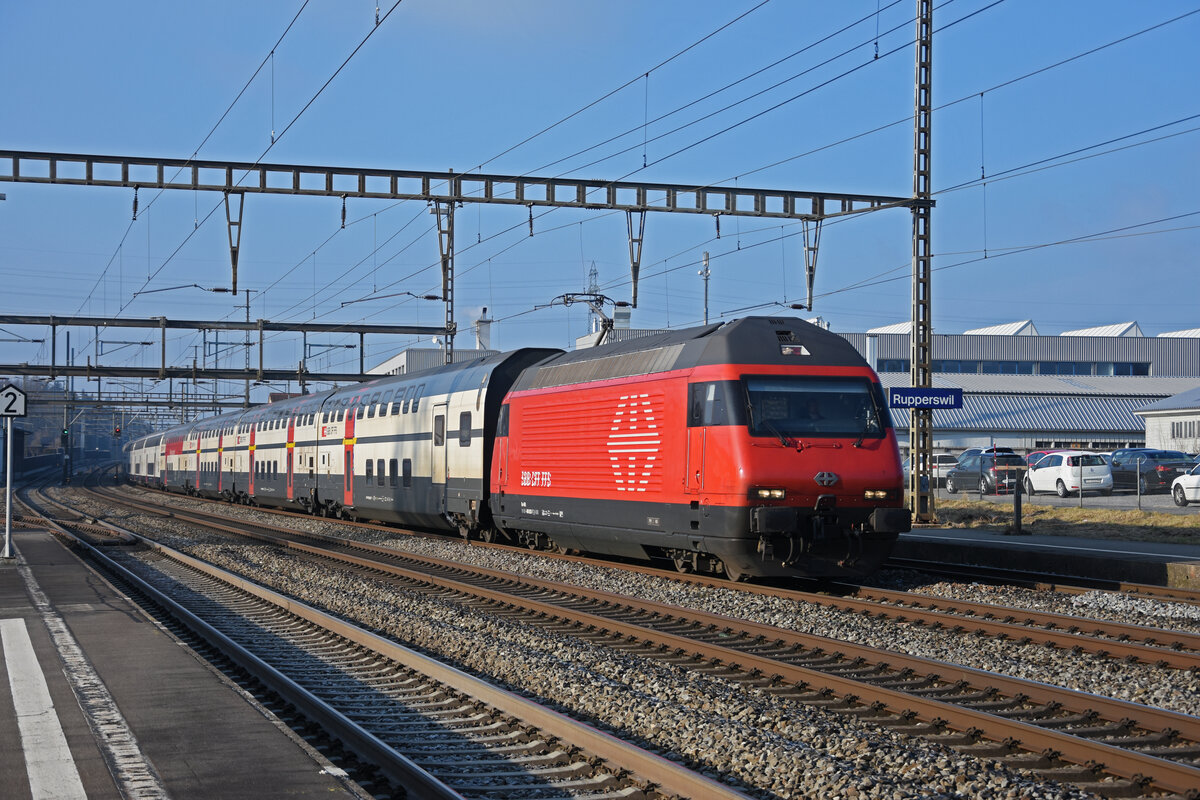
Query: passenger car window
pixel 464 429
pixel 439 430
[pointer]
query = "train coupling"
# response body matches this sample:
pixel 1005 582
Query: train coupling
pixel 787 533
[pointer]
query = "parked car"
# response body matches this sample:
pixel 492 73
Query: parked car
pixel 974 451
pixel 1186 488
pixel 1065 471
pixel 1146 469
pixel 991 474
pixel 939 465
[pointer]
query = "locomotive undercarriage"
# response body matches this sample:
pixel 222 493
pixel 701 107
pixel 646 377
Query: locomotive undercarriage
pixel 846 538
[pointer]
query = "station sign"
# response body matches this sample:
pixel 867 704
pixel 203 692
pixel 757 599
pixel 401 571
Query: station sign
pixel 904 397
pixel 12 402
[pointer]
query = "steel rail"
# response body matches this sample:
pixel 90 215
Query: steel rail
pixel 1050 582
pixel 1116 709
pixel 653 770
pixel 1137 767
pixel 983 612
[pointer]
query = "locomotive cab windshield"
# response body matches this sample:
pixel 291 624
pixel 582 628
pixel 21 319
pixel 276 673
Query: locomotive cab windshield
pixel 800 406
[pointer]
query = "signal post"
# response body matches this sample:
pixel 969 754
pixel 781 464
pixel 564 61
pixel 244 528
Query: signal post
pixel 12 405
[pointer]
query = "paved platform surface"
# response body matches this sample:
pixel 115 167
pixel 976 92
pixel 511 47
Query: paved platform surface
pixel 170 727
pixel 1155 563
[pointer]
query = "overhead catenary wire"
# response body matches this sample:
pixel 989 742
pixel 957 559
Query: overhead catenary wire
pixel 905 120
pixel 209 135
pixel 276 139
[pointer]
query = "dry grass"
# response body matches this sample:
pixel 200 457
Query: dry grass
pixel 1093 523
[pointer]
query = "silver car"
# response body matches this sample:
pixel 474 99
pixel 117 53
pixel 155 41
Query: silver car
pixel 940 464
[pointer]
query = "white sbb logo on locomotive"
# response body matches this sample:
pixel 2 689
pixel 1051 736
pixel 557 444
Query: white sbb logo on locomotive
pixel 633 443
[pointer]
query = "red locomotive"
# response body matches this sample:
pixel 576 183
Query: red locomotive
pixel 757 447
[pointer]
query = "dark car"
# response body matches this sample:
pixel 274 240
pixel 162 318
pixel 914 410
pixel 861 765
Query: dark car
pixel 990 474
pixel 1147 469
pixel 974 451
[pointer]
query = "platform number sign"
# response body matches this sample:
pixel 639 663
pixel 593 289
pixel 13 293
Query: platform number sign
pixel 12 402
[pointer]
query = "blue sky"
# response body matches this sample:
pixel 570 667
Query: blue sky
pixel 455 84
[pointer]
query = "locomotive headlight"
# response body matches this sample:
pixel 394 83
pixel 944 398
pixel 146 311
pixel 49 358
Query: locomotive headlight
pixel 763 493
pixel 876 494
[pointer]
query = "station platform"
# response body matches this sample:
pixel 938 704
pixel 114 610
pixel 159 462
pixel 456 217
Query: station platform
pixel 98 701
pixel 1155 563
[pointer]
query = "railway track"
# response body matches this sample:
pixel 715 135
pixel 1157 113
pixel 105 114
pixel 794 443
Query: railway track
pixel 424 726
pixel 1108 746
pixel 1045 581
pixel 1105 639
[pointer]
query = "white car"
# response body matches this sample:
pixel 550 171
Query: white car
pixel 1186 488
pixel 1063 472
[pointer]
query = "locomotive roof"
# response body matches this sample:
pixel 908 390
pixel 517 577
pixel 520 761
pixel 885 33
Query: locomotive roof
pixel 752 340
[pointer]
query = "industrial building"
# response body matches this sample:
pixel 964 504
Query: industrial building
pixel 1027 391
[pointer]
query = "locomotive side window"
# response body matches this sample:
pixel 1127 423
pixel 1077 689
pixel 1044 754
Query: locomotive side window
pixel 502 423
pixel 782 406
pixel 464 429
pixel 714 403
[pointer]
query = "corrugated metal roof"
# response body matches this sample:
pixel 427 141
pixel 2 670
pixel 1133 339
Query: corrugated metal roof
pixel 1190 333
pixel 899 327
pixel 1120 329
pixel 1022 328
pixel 1184 401
pixel 1020 404
pixel 1023 413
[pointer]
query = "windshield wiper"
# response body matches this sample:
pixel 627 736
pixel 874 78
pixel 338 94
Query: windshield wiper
pixel 782 439
pixel 868 424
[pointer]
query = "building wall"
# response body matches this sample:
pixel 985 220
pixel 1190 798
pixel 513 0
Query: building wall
pixel 1167 356
pixel 1176 430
